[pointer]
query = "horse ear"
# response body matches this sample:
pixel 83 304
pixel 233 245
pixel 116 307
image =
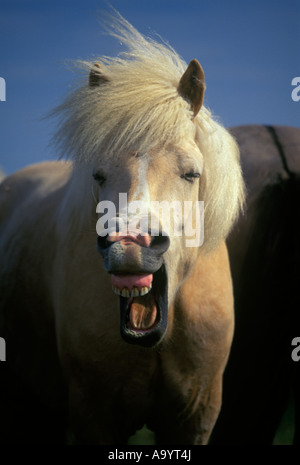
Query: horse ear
pixel 97 77
pixel 192 85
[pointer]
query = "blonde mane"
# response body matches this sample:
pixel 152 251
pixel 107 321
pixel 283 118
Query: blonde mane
pixel 139 108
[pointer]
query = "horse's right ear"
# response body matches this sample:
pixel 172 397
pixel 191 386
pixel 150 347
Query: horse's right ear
pixel 96 76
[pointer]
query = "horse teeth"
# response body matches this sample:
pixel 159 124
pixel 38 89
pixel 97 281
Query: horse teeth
pixel 134 292
pixel 116 290
pixel 144 290
pixel 125 292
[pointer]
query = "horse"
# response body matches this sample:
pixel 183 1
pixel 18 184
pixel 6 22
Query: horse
pixel 114 317
pixel 264 257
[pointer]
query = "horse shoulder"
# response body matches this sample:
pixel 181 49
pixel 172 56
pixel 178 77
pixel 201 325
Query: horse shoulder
pixel 203 313
pixel 197 345
pixel 205 297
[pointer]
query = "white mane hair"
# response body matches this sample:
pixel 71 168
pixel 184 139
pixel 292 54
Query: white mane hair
pixel 139 108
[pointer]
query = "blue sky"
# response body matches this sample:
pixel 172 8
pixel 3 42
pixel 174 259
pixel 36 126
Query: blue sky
pixel 250 52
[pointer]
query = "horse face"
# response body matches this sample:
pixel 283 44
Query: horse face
pixel 147 215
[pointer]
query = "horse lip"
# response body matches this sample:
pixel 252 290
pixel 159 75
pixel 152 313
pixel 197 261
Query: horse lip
pixel 133 258
pixel 154 335
pixel 128 239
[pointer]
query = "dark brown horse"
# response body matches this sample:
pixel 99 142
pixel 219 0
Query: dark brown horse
pixel 261 376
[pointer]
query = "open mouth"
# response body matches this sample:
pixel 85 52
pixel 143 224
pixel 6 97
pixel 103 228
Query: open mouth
pixel 143 306
pixel 139 278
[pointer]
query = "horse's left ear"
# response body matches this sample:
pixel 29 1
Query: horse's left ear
pixel 97 77
pixel 192 86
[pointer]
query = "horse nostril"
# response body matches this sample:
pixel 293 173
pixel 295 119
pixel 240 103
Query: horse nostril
pixel 160 243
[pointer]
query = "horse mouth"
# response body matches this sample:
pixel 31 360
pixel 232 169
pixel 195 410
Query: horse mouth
pixel 143 306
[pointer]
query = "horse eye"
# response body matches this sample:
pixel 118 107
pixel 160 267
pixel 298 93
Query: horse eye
pixel 190 176
pixel 99 177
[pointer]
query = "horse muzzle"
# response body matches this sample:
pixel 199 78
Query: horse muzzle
pixel 139 277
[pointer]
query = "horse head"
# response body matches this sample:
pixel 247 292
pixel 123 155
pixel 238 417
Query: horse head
pixel 142 234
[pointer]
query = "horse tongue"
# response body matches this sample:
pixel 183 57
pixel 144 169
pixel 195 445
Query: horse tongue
pixel 143 312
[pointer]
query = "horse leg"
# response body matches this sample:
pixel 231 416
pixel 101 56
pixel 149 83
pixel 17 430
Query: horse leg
pixel 96 414
pixel 191 423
